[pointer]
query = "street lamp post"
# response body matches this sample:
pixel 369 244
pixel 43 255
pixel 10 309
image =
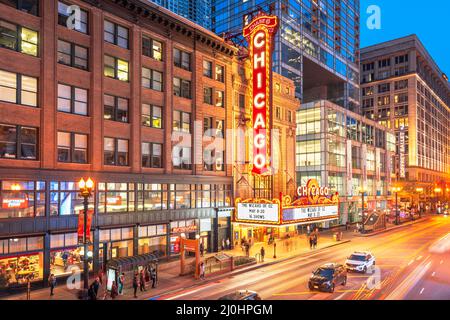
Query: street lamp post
pixel 362 191
pixel 86 192
pixel 396 190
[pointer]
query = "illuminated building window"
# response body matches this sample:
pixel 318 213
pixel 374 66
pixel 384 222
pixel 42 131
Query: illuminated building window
pixel 17 88
pixel 18 38
pixel 22 199
pixel 220 73
pixel 115 108
pixel 208 95
pixel 72 147
pixel 152 116
pixel 152 48
pixel 116 197
pixel 72 100
pixel 115 151
pixel 115 68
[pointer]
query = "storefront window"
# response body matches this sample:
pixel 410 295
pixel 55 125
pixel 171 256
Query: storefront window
pixel 180 196
pixel 153 239
pixel 20 259
pixel 116 197
pixel 186 227
pixel 152 196
pixel 22 199
pixel 119 242
pixel 66 200
pixel 66 257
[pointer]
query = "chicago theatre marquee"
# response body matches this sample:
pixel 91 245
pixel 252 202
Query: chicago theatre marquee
pixel 265 205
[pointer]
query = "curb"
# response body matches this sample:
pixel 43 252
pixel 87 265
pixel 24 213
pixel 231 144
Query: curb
pixel 393 228
pixel 250 268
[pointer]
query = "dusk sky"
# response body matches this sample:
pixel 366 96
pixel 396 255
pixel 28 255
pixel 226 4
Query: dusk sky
pixel 428 20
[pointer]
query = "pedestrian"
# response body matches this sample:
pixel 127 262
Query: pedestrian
pixel 121 283
pixel 202 249
pixel 135 283
pixel 100 276
pixel 147 274
pixel 228 243
pixel 142 281
pixel 91 294
pixel 247 249
pixel 263 253
pixel 347 225
pixel 308 230
pixel 223 244
pixel 202 271
pixel 52 283
pixel 153 277
pixel 311 241
pixel 315 240
pixel 113 290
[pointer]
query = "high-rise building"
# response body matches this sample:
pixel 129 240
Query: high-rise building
pixel 198 11
pixel 316 47
pixel 404 89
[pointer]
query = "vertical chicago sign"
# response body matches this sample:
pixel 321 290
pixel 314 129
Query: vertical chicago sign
pixel 260 33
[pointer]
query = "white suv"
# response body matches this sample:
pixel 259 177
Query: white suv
pixel 360 262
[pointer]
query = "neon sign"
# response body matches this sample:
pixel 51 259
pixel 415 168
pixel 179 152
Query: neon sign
pixel 260 33
pixel 15 203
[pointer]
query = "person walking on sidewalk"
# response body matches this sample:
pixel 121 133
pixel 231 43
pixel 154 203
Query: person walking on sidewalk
pixel 121 283
pixel 315 239
pixel 263 253
pixel 311 241
pixel 202 249
pixel 147 274
pixel 202 271
pixel 142 281
pixel 228 243
pixel 114 290
pixel 223 244
pixel 100 276
pixel 135 284
pixel 153 277
pixel 52 283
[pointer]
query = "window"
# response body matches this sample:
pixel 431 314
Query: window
pixel 384 63
pixel 220 99
pixel 72 99
pixel 401 98
pixel 18 38
pixel 207 69
pixel 115 34
pixel 115 108
pixel 152 197
pixel 384 87
pixel 402 84
pixel 182 59
pixel 72 55
pixel 28 6
pixel 181 157
pixel 65 14
pixel 213 148
pixel 22 199
pixel 116 68
pixel 151 116
pixel 207 95
pixel 182 121
pixel 401 59
pixel 368 91
pixel 116 197
pixel 152 48
pixel 151 155
pixel 18 142
pixel 17 88
pixel 278 113
pixel 241 101
pixel 115 152
pixel 383 101
pixel 182 88
pixel 220 73
pixel 72 147
pixel 152 79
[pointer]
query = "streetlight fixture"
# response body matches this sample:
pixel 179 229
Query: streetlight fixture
pixel 86 192
pixel 396 190
pixel 362 190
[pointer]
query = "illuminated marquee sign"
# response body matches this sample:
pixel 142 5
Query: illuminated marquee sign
pixel 260 33
pixel 258 211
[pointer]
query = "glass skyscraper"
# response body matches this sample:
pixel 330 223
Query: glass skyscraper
pixel 317 45
pixel 198 11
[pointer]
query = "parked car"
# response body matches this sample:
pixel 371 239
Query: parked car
pixel 242 295
pixel 327 277
pixel 360 261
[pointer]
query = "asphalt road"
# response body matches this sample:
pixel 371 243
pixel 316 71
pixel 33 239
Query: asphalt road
pixel 405 270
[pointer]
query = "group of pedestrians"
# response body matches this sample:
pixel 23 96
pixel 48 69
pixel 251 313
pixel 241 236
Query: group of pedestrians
pixel 141 278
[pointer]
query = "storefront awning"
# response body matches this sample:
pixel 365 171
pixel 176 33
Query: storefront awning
pixel 130 263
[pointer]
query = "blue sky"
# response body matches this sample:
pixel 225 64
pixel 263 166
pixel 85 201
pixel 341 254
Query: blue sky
pixel 429 20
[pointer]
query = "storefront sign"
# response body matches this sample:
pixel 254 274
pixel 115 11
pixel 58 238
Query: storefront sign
pixel 309 213
pixel 190 228
pixel 90 213
pixel 402 149
pixel 15 203
pixel 260 33
pixel 263 213
pixel 115 201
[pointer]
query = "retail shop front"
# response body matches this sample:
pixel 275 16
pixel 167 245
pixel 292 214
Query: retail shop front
pixel 261 220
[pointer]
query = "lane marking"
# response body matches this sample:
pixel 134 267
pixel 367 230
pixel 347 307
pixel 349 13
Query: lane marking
pixel 421 291
pixel 411 262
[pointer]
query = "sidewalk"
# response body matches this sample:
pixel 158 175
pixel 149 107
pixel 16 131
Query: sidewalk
pixel 391 227
pixel 170 281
